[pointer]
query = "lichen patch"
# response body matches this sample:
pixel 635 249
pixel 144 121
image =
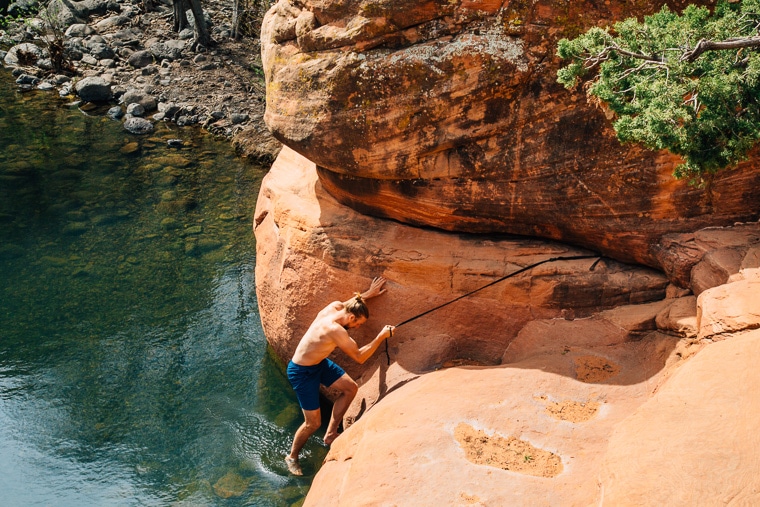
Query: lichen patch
pixel 510 453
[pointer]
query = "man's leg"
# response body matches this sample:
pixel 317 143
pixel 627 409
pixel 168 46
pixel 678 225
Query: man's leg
pixel 348 389
pixel 312 422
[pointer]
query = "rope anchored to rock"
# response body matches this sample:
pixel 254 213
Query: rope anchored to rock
pixel 501 279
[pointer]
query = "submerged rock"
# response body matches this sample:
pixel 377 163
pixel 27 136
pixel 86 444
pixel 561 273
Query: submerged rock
pixel 115 113
pixel 138 126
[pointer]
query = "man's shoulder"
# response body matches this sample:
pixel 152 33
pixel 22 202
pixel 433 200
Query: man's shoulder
pixel 325 324
pixel 333 331
pixel 332 307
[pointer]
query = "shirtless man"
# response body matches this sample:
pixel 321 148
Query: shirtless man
pixel 310 366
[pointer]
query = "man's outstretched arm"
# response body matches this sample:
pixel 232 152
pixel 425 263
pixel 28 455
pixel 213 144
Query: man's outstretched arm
pixel 360 355
pixel 375 289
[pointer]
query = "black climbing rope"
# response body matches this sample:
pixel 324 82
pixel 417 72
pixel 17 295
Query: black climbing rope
pixel 521 270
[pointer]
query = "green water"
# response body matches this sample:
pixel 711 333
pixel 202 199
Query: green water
pixel 133 366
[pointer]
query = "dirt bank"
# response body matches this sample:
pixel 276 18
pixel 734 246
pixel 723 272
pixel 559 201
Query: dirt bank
pixel 220 87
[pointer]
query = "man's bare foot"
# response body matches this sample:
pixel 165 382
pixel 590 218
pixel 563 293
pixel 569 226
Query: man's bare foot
pixel 294 467
pixel 330 437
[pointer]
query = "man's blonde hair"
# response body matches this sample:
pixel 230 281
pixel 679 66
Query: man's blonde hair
pixel 357 307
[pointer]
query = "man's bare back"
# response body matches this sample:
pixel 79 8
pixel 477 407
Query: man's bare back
pixel 330 330
pixel 318 342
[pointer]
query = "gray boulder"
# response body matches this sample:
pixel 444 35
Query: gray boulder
pixel 118 20
pixel 115 113
pixel 138 126
pixel 140 59
pixel 25 79
pixel 23 54
pixel 45 64
pixel 69 12
pixel 126 37
pixel 168 50
pixel 90 7
pixel 79 30
pixel 22 7
pixel 101 51
pixel 94 89
pixel 64 13
pixel 238 118
pixel 133 96
pixel 169 109
pixel 35 25
pixel 74 49
pixel 135 109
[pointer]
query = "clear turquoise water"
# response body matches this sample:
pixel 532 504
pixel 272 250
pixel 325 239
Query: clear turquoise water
pixel 133 366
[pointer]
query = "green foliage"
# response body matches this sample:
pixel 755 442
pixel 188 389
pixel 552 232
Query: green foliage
pixel 706 110
pixel 7 20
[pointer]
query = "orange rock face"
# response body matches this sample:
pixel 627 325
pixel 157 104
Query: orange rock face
pixel 638 432
pixel 448 114
pixel 311 250
pixel 542 374
pixel 565 385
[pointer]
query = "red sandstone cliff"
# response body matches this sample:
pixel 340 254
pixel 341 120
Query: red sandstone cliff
pixel 634 396
pixel 447 115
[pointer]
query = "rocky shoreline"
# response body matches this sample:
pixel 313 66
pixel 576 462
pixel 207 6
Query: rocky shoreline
pixel 114 52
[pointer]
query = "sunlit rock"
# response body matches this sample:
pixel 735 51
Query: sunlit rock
pixel 448 114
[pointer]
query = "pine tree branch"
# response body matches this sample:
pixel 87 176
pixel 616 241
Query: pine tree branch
pixel 709 45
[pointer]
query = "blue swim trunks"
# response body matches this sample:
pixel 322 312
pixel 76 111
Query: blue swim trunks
pixel 306 379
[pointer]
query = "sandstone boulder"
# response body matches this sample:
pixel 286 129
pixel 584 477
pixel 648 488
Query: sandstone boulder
pixel 544 425
pixel 729 308
pixel 709 257
pixel 694 442
pixel 680 317
pixel 584 422
pixel 448 115
pixel 311 250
